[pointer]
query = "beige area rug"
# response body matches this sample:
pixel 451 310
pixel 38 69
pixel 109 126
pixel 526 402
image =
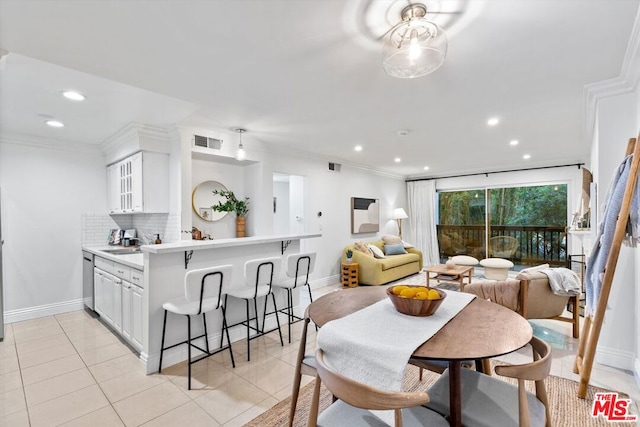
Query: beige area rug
pixel 567 410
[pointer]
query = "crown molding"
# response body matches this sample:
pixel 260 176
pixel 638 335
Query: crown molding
pixel 49 143
pixel 625 83
pixel 131 133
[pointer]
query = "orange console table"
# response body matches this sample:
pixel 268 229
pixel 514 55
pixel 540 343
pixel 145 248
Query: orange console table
pixel 350 274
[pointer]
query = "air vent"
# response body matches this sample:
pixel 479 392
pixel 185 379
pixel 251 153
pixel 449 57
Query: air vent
pixel 204 142
pixel 335 167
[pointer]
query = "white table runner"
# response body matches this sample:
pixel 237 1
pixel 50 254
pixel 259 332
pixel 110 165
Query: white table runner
pixel 373 345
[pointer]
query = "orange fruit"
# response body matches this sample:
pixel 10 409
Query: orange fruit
pixel 422 295
pixel 408 293
pixel 433 294
pixel 398 289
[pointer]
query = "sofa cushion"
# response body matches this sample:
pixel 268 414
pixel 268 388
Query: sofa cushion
pixel 362 247
pixel 394 249
pixel 391 240
pixel 376 251
pixel 407 245
pixel 398 260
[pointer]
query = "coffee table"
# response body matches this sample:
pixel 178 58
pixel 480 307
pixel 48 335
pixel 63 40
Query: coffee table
pixel 455 274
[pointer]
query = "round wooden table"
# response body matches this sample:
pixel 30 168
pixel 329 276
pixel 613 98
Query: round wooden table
pixel 481 330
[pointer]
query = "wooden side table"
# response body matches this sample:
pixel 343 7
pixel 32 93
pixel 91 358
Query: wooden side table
pixel 349 274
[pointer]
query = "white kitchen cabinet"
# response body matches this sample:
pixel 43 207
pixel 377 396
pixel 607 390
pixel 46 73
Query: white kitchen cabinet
pixel 132 314
pixel 106 286
pixel 118 293
pixel 139 184
pixel 113 188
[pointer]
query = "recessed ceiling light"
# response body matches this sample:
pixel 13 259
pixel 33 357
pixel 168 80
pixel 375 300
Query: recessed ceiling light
pixel 397 160
pixel 358 148
pixel 426 168
pixel 526 156
pixel 55 123
pixel 73 95
pixel 493 121
pixel 514 142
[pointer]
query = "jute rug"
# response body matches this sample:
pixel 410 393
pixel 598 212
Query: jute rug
pixel 567 410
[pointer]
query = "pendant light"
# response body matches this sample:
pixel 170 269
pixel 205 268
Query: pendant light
pixel 414 47
pixel 241 154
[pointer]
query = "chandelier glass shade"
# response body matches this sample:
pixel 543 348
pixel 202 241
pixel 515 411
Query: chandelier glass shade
pixel 415 47
pixel 240 153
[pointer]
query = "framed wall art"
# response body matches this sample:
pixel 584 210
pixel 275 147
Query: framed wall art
pixel 365 216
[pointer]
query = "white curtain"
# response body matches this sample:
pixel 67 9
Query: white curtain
pixel 422 217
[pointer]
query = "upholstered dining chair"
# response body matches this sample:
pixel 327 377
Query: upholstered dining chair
pixel 203 291
pixel 298 268
pixel 356 399
pixel 489 401
pixel 305 365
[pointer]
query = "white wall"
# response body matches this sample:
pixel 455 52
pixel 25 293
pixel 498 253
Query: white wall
pixel 44 193
pixel 616 122
pixel 232 178
pixel 281 215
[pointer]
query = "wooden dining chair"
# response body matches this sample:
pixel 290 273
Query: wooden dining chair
pixel 356 399
pixel 305 365
pixel 489 401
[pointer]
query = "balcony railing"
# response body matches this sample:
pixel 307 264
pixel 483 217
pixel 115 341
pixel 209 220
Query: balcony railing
pixel 524 245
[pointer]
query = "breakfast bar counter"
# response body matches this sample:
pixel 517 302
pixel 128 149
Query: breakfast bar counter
pixel 165 266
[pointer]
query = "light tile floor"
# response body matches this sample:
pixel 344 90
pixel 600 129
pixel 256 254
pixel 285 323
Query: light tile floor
pixel 70 370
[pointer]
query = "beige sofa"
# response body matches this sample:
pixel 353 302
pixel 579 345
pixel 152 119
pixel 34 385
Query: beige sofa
pixel 374 271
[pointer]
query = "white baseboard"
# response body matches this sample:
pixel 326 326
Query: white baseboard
pixel 325 281
pixel 636 372
pixel 30 313
pixel 615 358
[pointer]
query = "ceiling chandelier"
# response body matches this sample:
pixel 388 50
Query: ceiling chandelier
pixel 415 47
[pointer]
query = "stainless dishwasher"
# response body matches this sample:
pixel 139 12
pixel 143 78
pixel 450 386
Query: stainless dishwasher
pixel 87 280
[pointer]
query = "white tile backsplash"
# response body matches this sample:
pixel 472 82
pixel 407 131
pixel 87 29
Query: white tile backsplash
pixel 96 227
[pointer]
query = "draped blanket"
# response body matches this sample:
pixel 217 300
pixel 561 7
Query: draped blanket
pixel 602 246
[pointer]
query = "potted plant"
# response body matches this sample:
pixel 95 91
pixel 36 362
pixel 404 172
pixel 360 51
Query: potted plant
pixel 349 254
pixel 233 204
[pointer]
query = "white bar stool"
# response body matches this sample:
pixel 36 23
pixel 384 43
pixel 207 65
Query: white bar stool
pixel 203 290
pixel 299 266
pixel 258 281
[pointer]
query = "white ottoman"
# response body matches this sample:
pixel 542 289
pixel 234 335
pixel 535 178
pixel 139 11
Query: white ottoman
pixel 464 260
pixel 496 268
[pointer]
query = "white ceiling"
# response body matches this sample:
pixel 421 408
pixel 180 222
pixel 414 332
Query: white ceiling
pixel 307 75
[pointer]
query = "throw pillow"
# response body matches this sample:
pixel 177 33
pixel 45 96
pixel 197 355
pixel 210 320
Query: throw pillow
pixel 359 246
pixel 407 245
pixel 392 240
pixel 377 253
pixel 394 249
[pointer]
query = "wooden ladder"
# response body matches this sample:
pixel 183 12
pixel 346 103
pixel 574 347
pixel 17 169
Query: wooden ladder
pixel 593 323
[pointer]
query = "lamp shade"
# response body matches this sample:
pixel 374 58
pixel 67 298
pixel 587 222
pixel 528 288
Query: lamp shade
pixel 415 47
pixel 399 213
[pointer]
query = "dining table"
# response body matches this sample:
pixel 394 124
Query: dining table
pixel 481 330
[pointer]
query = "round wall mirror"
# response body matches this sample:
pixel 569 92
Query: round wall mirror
pixel 203 198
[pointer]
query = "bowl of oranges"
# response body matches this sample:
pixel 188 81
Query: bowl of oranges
pixel 416 300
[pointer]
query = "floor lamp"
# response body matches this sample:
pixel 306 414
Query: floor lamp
pixel 399 214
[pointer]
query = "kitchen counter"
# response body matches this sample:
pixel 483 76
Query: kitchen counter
pixel 194 245
pixel 135 260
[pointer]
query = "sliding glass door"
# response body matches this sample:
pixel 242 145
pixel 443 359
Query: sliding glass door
pixel 523 224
